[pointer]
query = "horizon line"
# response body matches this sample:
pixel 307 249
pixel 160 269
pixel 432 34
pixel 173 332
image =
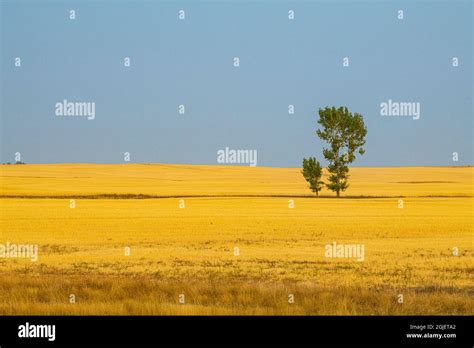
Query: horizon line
pixel 229 165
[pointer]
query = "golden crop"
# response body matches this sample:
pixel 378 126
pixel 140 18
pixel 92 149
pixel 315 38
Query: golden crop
pixel 234 240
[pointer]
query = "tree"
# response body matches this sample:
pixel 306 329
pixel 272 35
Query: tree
pixel 345 133
pixel 312 172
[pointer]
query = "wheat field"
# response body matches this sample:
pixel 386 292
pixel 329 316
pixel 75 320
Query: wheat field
pixel 156 239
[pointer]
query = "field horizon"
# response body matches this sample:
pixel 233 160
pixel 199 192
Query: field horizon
pixel 180 178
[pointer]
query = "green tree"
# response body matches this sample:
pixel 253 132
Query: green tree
pixel 345 134
pixel 312 172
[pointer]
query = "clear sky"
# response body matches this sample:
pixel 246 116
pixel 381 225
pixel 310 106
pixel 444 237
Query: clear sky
pixel 190 62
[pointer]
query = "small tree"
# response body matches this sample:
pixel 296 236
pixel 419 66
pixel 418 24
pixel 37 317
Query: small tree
pixel 312 173
pixel 345 133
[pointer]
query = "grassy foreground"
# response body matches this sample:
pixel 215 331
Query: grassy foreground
pixel 189 247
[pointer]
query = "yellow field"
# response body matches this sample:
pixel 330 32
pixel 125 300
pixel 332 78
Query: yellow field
pixel 191 251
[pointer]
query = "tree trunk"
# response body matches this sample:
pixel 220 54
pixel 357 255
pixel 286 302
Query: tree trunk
pixel 337 193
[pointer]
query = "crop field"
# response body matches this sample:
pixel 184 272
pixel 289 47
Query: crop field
pixel 150 239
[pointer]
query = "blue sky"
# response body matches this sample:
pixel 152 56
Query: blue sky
pixel 190 62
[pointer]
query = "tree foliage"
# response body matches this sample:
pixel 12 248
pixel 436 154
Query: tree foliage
pixel 345 134
pixel 312 172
